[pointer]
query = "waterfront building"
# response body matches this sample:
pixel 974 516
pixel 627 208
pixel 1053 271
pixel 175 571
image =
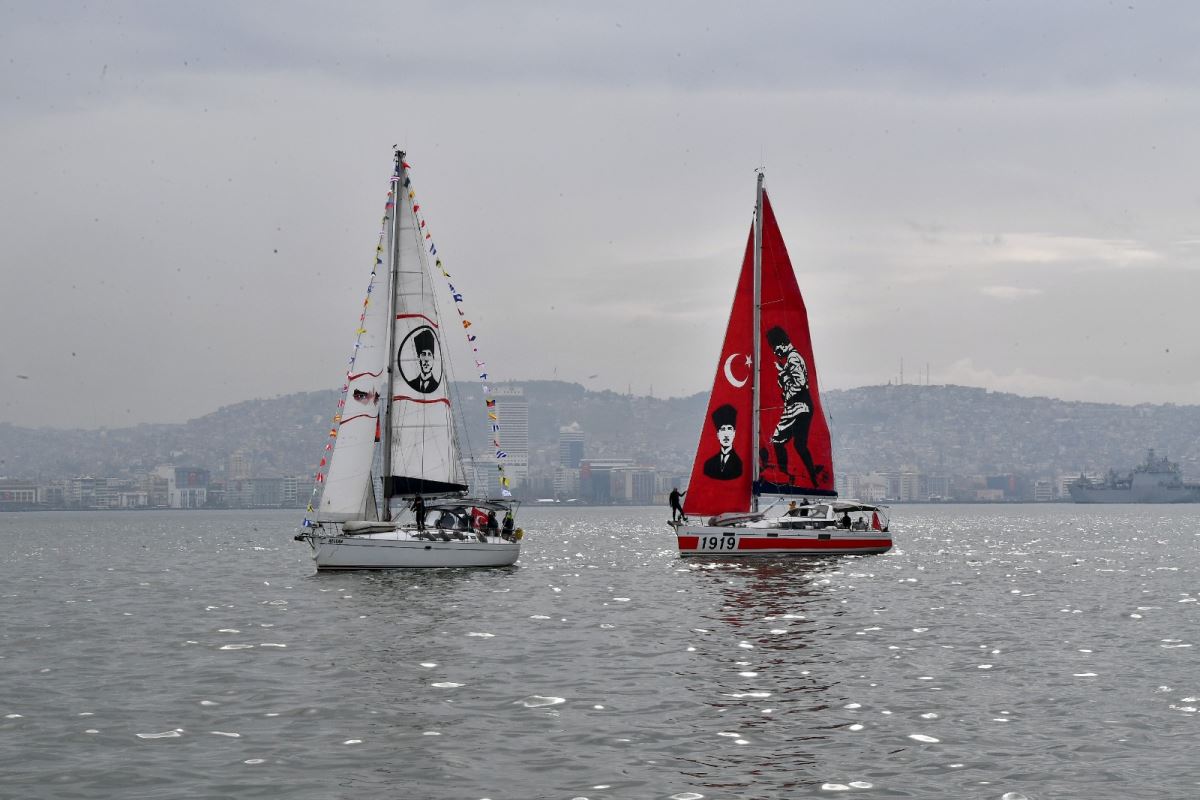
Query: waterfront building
pixel 512 409
pixel 570 446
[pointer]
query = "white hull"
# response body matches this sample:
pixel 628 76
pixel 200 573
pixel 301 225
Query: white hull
pixel 761 540
pixel 403 550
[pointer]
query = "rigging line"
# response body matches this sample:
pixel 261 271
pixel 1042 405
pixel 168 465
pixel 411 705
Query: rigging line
pixel 472 340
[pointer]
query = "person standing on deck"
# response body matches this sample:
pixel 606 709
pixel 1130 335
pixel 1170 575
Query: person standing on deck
pixel 418 509
pixel 676 500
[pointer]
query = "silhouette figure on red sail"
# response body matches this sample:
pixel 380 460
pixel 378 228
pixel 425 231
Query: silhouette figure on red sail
pixel 423 344
pixel 725 465
pixel 796 418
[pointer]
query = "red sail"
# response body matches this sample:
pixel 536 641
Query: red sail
pixel 794 451
pixel 721 474
pixel 794 444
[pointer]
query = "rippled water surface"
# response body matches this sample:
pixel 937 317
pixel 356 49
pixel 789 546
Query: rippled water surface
pixel 996 652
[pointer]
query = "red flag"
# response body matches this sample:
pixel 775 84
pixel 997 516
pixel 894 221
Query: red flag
pixel 875 526
pixel 479 517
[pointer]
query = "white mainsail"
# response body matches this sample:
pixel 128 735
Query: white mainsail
pixel 424 452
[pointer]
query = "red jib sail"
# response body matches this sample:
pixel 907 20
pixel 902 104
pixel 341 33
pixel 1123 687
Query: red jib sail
pixel 721 474
pixel 794 451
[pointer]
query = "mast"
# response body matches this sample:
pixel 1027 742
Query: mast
pixel 393 241
pixel 757 333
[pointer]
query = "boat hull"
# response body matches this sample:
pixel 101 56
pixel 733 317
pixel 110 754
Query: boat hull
pixel 392 551
pixel 1136 494
pixel 704 540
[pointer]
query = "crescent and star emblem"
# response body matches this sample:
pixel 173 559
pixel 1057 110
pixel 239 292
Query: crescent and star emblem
pixel 729 371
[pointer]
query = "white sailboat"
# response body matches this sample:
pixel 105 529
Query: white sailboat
pixel 395 421
pixel 770 492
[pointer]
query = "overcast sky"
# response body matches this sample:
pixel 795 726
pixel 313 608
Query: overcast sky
pixel 995 194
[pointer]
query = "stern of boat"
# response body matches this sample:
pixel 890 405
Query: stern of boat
pixel 769 539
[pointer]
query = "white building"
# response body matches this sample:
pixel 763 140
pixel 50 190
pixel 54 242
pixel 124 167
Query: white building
pixel 512 412
pixel 187 487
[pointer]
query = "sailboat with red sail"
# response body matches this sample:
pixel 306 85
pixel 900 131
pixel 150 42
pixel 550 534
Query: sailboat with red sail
pixel 762 481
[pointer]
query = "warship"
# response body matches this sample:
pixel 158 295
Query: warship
pixel 1156 481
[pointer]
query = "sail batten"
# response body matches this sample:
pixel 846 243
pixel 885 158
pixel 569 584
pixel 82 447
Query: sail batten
pixel 783 445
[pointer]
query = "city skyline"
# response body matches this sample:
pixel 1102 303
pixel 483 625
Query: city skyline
pixel 929 434
pixel 993 195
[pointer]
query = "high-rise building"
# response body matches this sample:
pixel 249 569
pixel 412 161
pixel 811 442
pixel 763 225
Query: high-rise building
pixel 238 467
pixel 512 411
pixel 570 446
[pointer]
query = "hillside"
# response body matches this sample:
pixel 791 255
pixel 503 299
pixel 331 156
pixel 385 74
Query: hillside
pixel 939 429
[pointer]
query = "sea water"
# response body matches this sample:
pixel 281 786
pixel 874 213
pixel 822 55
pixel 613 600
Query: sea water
pixel 1010 652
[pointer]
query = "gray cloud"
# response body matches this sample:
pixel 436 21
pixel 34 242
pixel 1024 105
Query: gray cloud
pixel 193 190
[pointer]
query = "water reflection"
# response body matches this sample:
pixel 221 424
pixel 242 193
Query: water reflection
pixel 767 671
pixel 755 591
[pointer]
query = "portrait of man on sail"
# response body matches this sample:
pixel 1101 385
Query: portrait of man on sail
pixel 424 348
pixel 797 414
pixel 725 465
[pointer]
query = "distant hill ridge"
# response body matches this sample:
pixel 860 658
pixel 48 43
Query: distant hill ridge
pixel 937 429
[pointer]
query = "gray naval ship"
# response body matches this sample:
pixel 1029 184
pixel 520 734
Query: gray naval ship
pixel 1156 481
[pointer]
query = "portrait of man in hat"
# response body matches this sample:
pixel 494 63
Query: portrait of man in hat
pixel 725 465
pixel 425 381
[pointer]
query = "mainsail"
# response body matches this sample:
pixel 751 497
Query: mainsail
pixel 793 451
pixel 424 452
pixel 797 456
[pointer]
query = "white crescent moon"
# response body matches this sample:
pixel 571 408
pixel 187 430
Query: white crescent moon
pixel 729 374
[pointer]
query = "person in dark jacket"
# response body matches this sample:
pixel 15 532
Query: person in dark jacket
pixel 418 509
pixel 676 500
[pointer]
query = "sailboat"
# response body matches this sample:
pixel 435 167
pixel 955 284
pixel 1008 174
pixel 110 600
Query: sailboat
pixel 762 480
pixel 392 488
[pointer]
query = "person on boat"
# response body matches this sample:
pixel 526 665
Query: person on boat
pixel 424 343
pixel 860 524
pixel 418 509
pixel 491 526
pixel 796 417
pixel 507 528
pixel 844 522
pixel 675 498
pixel 725 465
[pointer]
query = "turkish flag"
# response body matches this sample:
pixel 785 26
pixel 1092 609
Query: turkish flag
pixel 478 518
